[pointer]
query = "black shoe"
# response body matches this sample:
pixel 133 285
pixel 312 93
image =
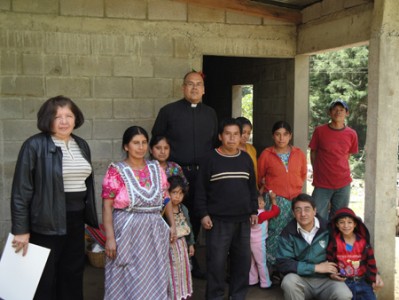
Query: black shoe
pixel 197 273
pixel 276 279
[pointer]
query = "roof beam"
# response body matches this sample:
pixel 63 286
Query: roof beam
pixel 252 8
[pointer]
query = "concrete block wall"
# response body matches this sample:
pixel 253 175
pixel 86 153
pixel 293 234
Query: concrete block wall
pixel 120 60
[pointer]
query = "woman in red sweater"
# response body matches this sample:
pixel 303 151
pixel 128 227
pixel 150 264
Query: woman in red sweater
pixel 282 169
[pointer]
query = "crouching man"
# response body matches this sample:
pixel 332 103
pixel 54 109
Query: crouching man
pixel 301 256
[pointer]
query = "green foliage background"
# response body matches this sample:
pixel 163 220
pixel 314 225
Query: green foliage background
pixel 341 74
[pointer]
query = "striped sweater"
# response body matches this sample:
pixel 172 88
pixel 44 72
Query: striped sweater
pixel 226 187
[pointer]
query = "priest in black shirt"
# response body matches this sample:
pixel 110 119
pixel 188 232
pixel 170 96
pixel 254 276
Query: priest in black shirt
pixel 191 129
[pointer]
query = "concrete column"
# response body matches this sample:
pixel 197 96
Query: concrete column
pixel 236 110
pixel 382 138
pixel 301 102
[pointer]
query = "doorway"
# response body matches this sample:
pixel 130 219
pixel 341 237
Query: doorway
pixel 272 81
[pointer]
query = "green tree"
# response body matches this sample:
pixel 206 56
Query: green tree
pixel 341 74
pixel 247 102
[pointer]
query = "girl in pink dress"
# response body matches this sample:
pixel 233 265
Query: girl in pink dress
pixel 259 272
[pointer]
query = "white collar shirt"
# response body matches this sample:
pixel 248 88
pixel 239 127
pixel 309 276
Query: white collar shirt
pixel 309 235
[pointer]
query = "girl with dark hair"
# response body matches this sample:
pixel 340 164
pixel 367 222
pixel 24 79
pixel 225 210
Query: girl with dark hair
pixel 282 169
pixel 160 150
pixel 181 282
pixel 133 191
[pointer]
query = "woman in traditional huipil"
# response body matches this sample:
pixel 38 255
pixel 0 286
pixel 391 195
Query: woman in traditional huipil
pixel 137 236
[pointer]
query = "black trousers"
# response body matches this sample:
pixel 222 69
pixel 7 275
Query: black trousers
pixel 62 276
pixel 228 239
pixel 191 173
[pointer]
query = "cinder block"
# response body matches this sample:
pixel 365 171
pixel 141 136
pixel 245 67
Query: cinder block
pixel 178 88
pixel 126 9
pixel 36 6
pixel 86 130
pixel 32 64
pixel 312 12
pixel 10 62
pixel 171 67
pixel 19 130
pixel 29 41
pixel 67 43
pixel 69 87
pixel 10 108
pixel 118 153
pixel 86 106
pixel 273 22
pixel 5 4
pixel 31 106
pixel 56 65
pixel 279 105
pixel 152 87
pixel 11 150
pixel 159 103
pixel 237 18
pixel 29 86
pixel 90 65
pixel 156 47
pixel 90 8
pixel 101 149
pixel 133 108
pixel 202 14
pixel 102 108
pixel 114 44
pixel 112 87
pixel 167 10
pixel 133 66
pixel 182 48
pixel 110 129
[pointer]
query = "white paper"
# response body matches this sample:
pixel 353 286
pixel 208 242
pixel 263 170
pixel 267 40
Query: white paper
pixel 20 275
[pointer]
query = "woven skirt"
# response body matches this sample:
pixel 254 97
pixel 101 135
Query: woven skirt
pixel 141 267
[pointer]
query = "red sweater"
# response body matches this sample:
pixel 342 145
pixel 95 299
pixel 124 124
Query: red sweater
pixel 287 184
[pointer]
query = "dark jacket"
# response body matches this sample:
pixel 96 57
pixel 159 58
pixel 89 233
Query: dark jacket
pixel 191 131
pixel 295 255
pixel 38 197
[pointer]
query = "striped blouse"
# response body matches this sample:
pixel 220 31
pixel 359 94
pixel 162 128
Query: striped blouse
pixel 75 168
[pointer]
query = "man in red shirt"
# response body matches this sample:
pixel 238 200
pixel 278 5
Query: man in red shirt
pixel 331 145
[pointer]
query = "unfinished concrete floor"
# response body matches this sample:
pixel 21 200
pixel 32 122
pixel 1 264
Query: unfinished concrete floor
pixel 94 286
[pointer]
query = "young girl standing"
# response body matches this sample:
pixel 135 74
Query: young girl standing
pixel 259 271
pixel 180 283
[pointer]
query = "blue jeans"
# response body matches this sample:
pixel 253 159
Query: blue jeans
pixel 338 198
pixel 361 290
